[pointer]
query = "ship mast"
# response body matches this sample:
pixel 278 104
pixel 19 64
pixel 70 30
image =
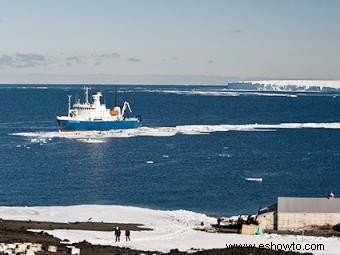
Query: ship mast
pixel 69 105
pixel 86 95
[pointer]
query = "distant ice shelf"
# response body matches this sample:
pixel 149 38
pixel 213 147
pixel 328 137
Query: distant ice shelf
pixel 287 85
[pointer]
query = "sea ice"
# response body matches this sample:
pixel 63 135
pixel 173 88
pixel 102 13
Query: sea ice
pixel 94 136
pixel 254 179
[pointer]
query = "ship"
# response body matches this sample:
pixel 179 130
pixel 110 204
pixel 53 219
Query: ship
pixel 94 116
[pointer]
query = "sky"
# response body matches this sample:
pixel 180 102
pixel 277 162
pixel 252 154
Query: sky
pixel 168 42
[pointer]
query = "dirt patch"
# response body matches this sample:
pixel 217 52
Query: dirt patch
pixel 44 225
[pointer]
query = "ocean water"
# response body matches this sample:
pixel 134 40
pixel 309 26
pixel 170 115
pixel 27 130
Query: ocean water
pixel 195 168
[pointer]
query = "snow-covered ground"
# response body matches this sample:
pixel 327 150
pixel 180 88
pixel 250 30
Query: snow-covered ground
pixel 171 229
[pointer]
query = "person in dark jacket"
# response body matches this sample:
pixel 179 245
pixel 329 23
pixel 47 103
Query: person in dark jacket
pixel 117 234
pixel 127 235
pixel 219 222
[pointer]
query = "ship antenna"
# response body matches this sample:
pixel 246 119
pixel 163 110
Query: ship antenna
pixel 86 96
pixel 69 105
pixel 116 97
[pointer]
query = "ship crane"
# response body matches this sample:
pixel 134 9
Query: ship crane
pixel 126 105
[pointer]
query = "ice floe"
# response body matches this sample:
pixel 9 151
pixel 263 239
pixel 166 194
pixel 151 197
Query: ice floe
pixel 32 87
pixel 90 140
pixel 200 92
pixel 99 136
pixel 216 92
pixel 254 179
pixel 38 140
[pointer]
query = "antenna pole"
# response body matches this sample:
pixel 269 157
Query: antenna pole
pixel 86 92
pixel 69 106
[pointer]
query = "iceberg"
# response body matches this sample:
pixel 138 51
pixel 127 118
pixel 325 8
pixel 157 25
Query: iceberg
pixel 287 85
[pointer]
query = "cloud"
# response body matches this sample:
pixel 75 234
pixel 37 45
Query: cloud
pixel 22 60
pixel 106 56
pixel 210 61
pixel 74 60
pixel 96 59
pixel 171 59
pixel 134 60
pixel 109 55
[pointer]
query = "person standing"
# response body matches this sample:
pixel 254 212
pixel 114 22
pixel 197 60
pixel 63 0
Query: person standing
pixel 127 235
pixel 117 234
pixel 219 222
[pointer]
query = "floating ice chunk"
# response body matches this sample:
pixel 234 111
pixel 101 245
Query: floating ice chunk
pixel 31 87
pixel 254 179
pixel 90 140
pixel 224 155
pixel 150 162
pixel 40 140
pixel 165 156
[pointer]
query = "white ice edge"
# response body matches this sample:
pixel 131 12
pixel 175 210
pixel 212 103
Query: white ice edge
pixel 171 229
pixel 217 92
pixel 305 83
pixel 93 136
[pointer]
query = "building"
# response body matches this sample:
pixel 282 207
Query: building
pixel 297 213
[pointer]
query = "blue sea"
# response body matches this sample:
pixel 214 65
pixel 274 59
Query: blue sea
pixel 203 172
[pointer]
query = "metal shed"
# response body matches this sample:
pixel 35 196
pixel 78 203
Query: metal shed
pixel 295 213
